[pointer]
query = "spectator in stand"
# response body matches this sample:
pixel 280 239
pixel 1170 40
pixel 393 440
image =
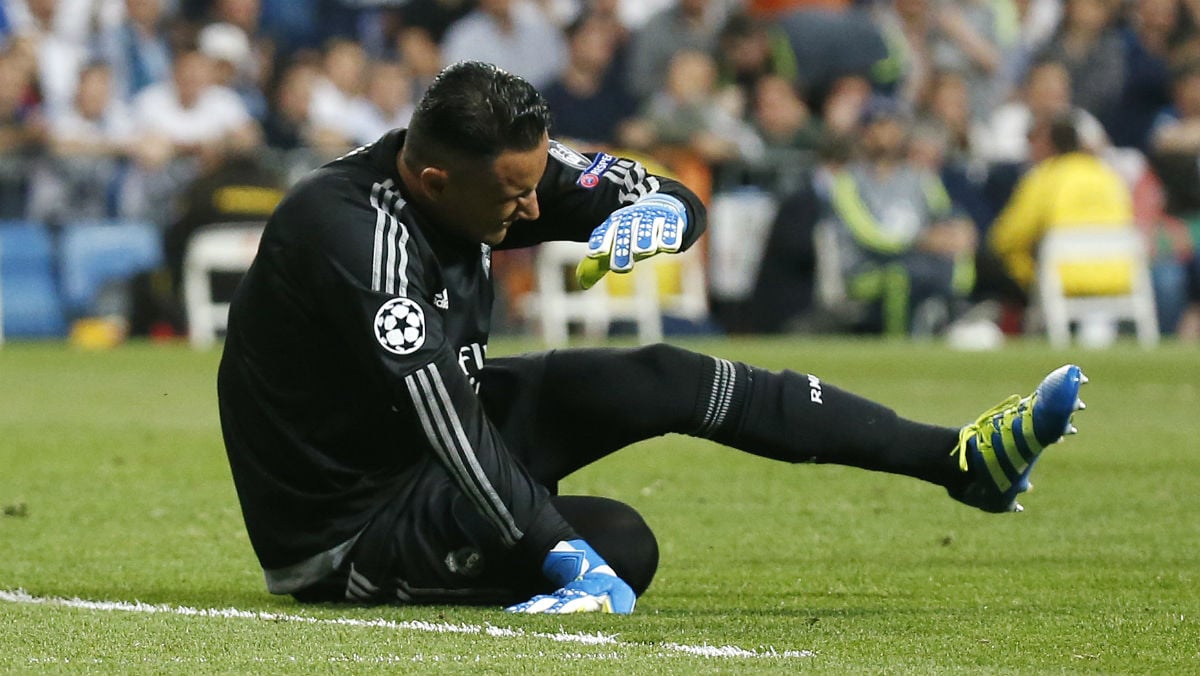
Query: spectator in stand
pixel 588 101
pixel 967 41
pixel 1175 146
pixel 750 49
pixel 421 55
pixel 1090 47
pixel 386 105
pixel 513 34
pixel 1175 141
pixel 925 37
pixel 1046 93
pixel 940 143
pixel 607 13
pixel 233 63
pixel 1154 28
pixel 22 128
pixel 907 251
pixel 137 48
pixel 686 25
pixel 248 16
pixel 1068 187
pixel 842 109
pixel 782 118
pixel 946 107
pixel 60 56
pixel 89 142
pixel 1035 22
pixel 289 123
pixel 185 125
pixel 687 116
pixel 343 75
pixel 434 17
pixel 905 26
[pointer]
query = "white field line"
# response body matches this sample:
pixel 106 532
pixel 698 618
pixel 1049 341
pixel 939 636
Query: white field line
pixel 22 597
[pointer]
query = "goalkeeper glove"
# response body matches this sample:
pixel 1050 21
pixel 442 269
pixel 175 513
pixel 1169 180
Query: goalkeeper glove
pixel 587 584
pixel 653 224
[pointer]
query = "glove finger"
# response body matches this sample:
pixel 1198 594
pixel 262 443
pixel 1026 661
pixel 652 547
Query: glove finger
pixel 585 603
pixel 600 242
pixel 621 259
pixel 589 271
pixel 538 604
pixel 647 233
pixel 670 235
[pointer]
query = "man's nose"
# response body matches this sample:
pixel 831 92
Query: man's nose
pixel 527 207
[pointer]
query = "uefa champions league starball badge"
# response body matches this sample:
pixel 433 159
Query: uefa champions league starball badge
pixel 400 326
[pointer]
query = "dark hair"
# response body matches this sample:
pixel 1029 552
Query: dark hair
pixel 477 110
pixel 1063 134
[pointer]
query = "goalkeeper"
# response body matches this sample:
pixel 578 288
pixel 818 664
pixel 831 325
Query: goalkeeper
pixel 380 458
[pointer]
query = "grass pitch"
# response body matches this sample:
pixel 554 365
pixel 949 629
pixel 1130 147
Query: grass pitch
pixel 114 492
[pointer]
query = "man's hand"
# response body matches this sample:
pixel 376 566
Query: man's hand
pixel 587 584
pixel 653 224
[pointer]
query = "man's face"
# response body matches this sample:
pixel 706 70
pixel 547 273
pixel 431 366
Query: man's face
pixel 885 139
pixel 481 200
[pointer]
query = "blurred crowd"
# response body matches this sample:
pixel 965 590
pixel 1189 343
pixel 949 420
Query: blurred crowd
pixel 917 122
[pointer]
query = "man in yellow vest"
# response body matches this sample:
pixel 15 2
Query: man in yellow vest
pixel 1068 187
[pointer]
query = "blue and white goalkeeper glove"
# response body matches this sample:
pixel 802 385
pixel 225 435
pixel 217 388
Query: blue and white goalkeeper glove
pixel 651 225
pixel 587 584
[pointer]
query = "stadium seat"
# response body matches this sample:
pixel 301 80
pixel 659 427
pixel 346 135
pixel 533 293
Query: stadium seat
pixel 558 301
pixel 221 247
pixel 1119 251
pixel 30 304
pixel 98 253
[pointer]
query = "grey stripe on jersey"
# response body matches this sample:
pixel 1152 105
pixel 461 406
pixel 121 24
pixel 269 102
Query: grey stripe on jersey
pixel 359 588
pixel 449 439
pixel 389 263
pixel 719 399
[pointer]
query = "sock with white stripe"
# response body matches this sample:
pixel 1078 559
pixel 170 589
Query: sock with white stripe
pixel 597 401
pixel 797 417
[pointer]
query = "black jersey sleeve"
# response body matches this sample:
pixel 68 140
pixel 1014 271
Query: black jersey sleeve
pixel 578 191
pixel 379 283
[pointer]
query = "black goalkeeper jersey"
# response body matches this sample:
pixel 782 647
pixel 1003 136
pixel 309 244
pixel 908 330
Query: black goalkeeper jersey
pixel 353 345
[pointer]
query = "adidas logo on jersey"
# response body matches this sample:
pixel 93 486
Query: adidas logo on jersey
pixel 441 300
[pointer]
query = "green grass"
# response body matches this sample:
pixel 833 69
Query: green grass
pixel 114 487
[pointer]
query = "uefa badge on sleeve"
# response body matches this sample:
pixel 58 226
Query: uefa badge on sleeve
pixel 400 326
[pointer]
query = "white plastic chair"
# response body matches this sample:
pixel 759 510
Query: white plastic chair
pixel 556 303
pixel 830 286
pixel 224 247
pixel 1095 246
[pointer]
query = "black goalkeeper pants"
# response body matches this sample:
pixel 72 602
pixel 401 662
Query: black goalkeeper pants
pixel 559 411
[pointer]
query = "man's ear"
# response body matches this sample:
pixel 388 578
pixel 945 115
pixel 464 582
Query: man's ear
pixel 434 181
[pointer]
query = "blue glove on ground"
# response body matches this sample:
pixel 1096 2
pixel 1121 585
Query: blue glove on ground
pixel 587 584
pixel 653 224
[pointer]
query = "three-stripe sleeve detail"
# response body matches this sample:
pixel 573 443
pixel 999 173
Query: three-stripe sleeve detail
pixel 389 262
pixel 448 438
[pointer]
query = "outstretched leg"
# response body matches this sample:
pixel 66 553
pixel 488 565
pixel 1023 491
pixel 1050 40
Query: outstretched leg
pixel 560 411
pixel 591 402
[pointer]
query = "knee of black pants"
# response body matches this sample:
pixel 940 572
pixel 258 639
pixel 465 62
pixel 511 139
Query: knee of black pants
pixel 617 532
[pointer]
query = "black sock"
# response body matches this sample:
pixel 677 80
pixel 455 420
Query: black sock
pixel 797 417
